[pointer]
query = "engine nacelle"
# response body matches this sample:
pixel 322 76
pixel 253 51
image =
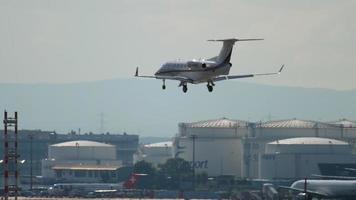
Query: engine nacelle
pixel 193 64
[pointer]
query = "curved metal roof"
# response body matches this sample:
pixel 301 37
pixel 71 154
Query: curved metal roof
pixel 309 141
pixel 344 123
pixel 294 123
pixel 160 144
pixel 81 143
pixel 217 123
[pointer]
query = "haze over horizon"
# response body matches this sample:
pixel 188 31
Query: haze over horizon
pixel 142 107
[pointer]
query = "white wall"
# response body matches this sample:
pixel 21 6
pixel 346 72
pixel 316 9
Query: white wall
pixel 82 153
pixel 296 166
pixel 216 156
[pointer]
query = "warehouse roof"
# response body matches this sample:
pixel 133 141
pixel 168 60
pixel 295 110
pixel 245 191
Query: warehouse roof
pixel 345 123
pixel 294 123
pixel 82 143
pixel 160 144
pixel 309 141
pixel 86 167
pixel 217 123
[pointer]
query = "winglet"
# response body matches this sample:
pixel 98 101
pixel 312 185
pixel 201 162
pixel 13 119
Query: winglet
pixel 136 73
pixel 280 70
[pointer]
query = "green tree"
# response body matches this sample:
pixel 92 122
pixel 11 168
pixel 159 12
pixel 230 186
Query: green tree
pixel 201 178
pixel 143 167
pixel 173 172
pixel 146 181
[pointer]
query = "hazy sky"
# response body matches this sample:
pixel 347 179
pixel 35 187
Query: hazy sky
pixel 81 40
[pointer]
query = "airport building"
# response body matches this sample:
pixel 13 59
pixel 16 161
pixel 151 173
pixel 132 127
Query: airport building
pixel 240 148
pixel 81 161
pixel 34 144
pixel 155 153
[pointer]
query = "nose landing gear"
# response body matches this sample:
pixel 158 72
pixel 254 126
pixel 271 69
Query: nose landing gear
pixel 164 84
pixel 210 86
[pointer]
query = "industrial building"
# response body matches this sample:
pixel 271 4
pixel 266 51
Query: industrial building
pixel 155 153
pixel 81 161
pixel 33 145
pixel 297 158
pixel 217 145
pixel 234 147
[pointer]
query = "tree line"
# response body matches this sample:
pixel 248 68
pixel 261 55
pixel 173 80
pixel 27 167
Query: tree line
pixel 175 173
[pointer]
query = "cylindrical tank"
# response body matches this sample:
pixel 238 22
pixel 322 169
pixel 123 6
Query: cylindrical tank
pixel 82 150
pixel 218 145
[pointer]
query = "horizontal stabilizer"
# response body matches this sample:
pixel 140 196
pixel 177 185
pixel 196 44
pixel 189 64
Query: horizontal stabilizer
pixel 234 40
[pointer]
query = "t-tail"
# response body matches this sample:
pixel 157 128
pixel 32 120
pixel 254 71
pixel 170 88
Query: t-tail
pixel 226 50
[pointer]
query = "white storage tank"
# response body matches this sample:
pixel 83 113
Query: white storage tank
pixel 82 150
pixel 348 128
pixel 308 145
pixel 297 128
pixel 301 157
pixel 218 145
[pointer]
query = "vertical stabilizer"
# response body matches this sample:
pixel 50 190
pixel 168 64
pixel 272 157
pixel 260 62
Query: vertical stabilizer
pixel 226 50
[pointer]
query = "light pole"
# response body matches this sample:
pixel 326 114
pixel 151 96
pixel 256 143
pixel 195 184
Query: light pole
pixel 31 169
pixel 193 164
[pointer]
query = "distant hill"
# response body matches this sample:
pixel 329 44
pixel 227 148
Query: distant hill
pixel 142 107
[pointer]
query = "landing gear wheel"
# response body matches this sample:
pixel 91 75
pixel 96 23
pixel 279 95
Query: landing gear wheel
pixel 185 88
pixel 210 88
pixel 164 84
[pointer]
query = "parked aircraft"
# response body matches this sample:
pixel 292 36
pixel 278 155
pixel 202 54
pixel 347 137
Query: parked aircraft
pixel 324 189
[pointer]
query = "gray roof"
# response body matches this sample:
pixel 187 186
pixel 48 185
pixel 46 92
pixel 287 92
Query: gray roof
pixel 344 123
pixel 294 123
pixel 82 143
pixel 309 141
pixel 217 123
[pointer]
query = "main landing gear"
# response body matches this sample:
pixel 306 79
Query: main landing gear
pixel 210 86
pixel 184 86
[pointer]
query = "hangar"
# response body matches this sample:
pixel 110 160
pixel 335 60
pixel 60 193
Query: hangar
pixel 81 161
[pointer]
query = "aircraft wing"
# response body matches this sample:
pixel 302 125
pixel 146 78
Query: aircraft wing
pixel 222 78
pixel 177 78
pixel 136 75
pixel 315 193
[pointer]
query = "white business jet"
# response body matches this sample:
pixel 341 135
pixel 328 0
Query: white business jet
pixel 203 70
